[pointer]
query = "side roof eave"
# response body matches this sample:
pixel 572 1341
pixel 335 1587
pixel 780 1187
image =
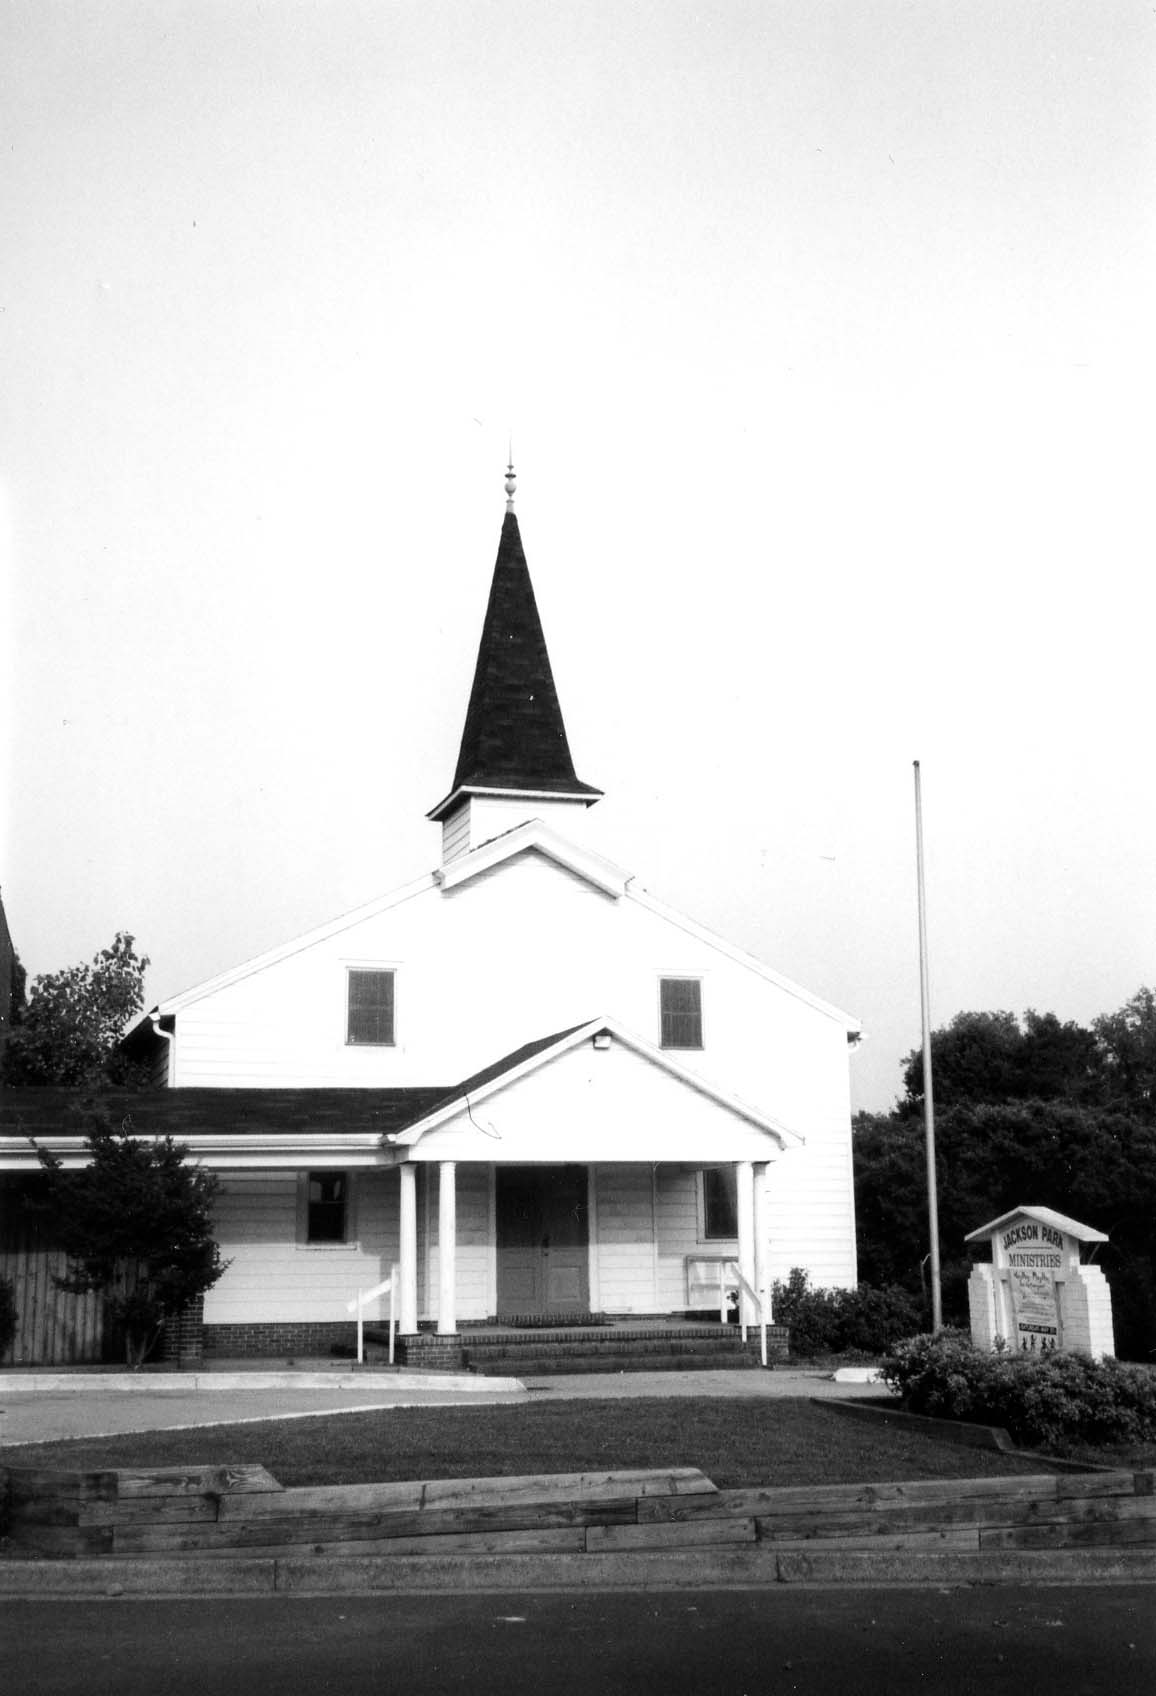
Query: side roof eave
pixel 396 897
pixel 616 880
pixel 412 1134
pixel 702 933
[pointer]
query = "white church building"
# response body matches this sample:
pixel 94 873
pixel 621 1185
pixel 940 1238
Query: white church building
pixel 521 1084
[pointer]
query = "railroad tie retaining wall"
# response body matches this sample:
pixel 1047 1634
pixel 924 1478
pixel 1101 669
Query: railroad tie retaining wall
pixel 216 1512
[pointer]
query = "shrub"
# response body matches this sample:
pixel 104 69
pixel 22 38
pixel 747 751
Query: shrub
pixel 1043 1400
pixel 8 1321
pixel 836 1321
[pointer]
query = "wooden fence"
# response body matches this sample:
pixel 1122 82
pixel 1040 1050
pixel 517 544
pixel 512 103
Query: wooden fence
pixel 53 1327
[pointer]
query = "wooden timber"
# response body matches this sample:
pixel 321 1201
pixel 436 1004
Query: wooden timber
pixel 220 1511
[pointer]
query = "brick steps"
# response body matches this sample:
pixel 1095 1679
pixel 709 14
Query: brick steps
pixel 545 1363
pixel 544 1351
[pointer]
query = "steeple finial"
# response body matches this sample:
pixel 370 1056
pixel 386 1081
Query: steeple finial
pixel 511 481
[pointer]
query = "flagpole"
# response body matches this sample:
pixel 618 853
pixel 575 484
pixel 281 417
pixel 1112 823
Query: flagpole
pixel 928 1101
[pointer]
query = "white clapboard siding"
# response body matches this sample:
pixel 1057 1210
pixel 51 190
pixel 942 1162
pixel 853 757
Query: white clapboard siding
pixel 679 1221
pixel 524 950
pixel 273 1275
pixel 625 1253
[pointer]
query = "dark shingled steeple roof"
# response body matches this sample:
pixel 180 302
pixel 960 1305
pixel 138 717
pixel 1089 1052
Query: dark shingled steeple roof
pixel 514 737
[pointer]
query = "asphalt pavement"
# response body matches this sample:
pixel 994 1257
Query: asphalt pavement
pixel 818 1642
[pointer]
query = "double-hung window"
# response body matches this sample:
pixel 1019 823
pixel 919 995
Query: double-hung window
pixel 369 1019
pixel 720 1210
pixel 327 1207
pixel 680 1004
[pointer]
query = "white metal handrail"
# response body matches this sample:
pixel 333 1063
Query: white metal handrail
pixel 361 1301
pixel 731 1276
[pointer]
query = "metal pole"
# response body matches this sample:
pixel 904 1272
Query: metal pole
pixel 928 1099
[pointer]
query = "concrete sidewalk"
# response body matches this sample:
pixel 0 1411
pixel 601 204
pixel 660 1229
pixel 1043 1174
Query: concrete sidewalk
pixel 49 1407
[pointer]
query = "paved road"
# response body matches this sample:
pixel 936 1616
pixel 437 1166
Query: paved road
pixel 1020 1642
pixel 96 1411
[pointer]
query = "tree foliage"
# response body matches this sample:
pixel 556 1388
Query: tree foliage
pixel 1127 1046
pixel 68 1031
pixel 136 1224
pixel 991 1057
pixel 1045 1114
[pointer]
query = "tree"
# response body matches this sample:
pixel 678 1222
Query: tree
pixel 1127 1046
pixel 74 1019
pixel 990 1057
pixel 136 1224
pixel 975 1058
pixel 1046 1113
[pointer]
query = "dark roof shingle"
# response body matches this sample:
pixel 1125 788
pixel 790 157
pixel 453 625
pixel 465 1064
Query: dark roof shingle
pixel 514 737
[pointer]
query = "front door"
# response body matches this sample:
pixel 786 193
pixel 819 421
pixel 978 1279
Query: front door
pixel 543 1241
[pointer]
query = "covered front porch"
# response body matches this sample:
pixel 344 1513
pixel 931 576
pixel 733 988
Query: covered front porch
pixel 525 1243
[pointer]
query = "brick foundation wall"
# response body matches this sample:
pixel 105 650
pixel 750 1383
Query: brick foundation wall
pixel 281 1338
pixel 182 1341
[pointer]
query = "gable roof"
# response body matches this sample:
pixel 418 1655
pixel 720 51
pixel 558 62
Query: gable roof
pixel 399 1116
pixel 514 738
pixel 321 933
pixel 615 880
pixel 1042 1216
pixel 533 834
pixel 534 1055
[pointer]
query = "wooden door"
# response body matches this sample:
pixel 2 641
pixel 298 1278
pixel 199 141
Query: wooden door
pixel 543 1241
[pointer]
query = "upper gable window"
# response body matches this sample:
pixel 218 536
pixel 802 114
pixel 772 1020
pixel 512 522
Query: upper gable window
pixel 681 1012
pixel 370 1016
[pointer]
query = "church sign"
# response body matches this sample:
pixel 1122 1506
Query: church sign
pixel 1037 1296
pixel 1034 1254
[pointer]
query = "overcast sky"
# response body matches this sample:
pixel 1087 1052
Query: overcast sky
pixel 824 329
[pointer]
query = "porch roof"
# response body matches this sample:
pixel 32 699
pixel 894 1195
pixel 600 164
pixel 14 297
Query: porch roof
pixel 183 1113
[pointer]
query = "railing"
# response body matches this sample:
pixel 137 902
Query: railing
pixel 762 1305
pixel 362 1300
pixel 729 1277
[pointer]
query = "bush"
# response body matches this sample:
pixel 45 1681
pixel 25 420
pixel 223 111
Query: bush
pixel 863 1321
pixel 8 1321
pixel 1044 1401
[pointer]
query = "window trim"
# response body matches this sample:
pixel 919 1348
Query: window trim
pixel 703 1234
pixel 682 1047
pixel 367 970
pixel 350 1239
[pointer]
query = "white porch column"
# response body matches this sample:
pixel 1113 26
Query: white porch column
pixel 761 1279
pixel 447 1247
pixel 407 1249
pixel 744 1189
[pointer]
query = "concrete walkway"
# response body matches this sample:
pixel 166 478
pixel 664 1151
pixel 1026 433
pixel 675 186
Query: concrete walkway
pixel 49 1407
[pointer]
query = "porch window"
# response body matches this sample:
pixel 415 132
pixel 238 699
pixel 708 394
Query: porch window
pixel 681 1012
pixel 370 1011
pixel 720 1205
pixel 327 1207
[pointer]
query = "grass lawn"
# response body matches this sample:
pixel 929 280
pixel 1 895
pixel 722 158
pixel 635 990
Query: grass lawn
pixel 735 1442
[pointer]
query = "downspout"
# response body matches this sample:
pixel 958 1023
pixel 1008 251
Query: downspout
pixel 170 1038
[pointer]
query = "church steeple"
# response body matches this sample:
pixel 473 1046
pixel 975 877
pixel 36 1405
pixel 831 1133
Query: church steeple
pixel 514 762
